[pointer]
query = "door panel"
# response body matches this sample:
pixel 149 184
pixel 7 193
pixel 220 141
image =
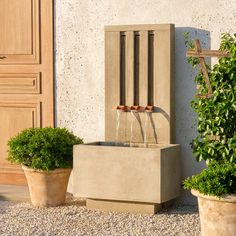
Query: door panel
pixel 19 31
pixel 14 118
pixel 20 83
pixel 26 80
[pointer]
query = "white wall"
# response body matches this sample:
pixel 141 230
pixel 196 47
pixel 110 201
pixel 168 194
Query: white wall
pixel 79 38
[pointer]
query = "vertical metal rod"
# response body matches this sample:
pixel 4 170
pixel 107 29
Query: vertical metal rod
pixel 122 68
pixel 150 67
pixel 136 67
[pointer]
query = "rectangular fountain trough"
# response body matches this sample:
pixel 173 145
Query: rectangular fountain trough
pixel 146 176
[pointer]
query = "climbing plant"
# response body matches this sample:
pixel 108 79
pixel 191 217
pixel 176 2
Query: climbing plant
pixel 216 122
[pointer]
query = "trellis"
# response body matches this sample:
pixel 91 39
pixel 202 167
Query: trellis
pixel 201 54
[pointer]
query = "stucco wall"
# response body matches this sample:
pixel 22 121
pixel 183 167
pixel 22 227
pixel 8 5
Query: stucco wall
pixel 79 38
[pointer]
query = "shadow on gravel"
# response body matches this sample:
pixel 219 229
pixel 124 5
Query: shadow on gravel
pixel 2 198
pixel 180 210
pixel 4 205
pixel 71 201
pixel 77 202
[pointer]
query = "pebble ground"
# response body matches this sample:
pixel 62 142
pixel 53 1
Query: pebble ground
pixel 74 219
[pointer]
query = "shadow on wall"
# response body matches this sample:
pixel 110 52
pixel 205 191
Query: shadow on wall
pixel 184 90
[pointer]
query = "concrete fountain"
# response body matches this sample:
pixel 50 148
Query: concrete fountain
pixel 136 168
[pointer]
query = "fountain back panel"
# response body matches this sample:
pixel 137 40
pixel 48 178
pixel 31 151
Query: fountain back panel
pixel 137 169
pixel 139 63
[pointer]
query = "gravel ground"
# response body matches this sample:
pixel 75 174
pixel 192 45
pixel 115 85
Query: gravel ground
pixel 75 219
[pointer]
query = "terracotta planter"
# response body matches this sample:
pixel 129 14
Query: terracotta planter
pixel 47 188
pixel 218 216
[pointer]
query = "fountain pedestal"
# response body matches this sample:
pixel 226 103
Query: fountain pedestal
pixel 133 179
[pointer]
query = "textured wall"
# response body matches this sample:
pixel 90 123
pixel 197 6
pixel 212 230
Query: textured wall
pixel 79 48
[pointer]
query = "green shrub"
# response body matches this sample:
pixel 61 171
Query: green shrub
pixel 43 148
pixel 217 180
pixel 217 115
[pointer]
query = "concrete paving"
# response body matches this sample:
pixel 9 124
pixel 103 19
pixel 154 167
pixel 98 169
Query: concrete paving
pixel 14 193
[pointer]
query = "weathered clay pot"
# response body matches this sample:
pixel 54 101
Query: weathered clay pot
pixel 217 216
pixel 47 188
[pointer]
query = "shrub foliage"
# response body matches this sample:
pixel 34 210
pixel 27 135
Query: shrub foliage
pixel 43 148
pixel 217 179
pixel 216 117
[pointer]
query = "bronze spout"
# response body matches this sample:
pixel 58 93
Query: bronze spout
pixel 149 108
pixel 137 108
pixel 123 108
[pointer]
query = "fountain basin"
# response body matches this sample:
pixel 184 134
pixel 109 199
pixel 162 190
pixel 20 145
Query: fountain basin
pixel 105 172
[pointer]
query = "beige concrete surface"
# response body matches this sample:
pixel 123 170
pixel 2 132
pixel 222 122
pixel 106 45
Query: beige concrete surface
pixel 79 50
pixel 14 193
pixel 147 175
pixel 121 206
pixel 152 75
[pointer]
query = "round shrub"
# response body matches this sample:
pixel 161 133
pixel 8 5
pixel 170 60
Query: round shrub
pixel 217 180
pixel 43 148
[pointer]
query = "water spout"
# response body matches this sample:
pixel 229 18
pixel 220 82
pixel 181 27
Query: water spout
pixel 149 109
pixel 123 108
pixel 137 108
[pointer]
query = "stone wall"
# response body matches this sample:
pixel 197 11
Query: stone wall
pixel 79 53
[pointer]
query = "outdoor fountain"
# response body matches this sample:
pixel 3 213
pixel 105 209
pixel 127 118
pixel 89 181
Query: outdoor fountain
pixel 137 168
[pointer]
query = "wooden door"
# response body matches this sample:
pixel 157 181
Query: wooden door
pixel 26 74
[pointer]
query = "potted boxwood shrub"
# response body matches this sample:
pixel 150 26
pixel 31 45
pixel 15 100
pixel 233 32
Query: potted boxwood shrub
pixel 46 156
pixel 215 186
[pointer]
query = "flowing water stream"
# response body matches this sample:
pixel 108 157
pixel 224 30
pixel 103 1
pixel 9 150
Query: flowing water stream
pixel 135 117
pixel 147 121
pixel 118 113
pixel 131 128
pixel 121 127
